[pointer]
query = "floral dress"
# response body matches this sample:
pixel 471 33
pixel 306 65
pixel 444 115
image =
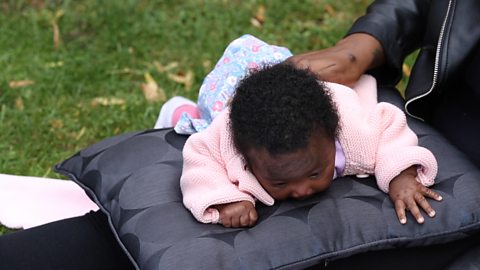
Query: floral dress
pixel 242 55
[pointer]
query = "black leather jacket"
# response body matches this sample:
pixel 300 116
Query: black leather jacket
pixel 446 31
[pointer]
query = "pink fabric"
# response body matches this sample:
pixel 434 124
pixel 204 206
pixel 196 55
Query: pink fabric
pixel 214 173
pixel 31 201
pixel 375 139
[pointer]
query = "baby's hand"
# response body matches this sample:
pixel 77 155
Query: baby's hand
pixel 407 194
pixel 237 214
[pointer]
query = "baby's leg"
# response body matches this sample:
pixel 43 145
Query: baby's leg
pixel 173 109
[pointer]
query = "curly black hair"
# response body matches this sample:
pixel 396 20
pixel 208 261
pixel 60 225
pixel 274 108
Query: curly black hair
pixel 278 108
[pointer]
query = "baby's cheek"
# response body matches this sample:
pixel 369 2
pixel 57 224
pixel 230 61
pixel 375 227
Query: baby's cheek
pixel 324 186
pixel 278 195
pixel 321 185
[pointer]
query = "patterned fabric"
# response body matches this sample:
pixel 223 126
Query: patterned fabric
pixel 241 55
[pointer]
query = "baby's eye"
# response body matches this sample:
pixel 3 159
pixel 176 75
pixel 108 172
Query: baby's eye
pixel 314 175
pixel 279 184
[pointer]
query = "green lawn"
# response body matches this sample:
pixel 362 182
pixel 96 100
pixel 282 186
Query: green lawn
pixel 72 71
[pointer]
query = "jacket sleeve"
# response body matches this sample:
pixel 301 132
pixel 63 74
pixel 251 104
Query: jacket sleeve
pixel 213 173
pixel 399 26
pixel 398 149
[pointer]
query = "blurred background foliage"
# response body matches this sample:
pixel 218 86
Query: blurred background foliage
pixel 76 72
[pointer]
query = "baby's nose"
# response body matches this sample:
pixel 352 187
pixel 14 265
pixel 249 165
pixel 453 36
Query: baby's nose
pixel 301 192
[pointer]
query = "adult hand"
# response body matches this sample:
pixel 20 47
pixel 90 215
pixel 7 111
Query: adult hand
pixel 408 194
pixel 237 214
pixel 345 62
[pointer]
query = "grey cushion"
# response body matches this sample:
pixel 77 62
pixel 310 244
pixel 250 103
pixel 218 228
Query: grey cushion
pixel 134 178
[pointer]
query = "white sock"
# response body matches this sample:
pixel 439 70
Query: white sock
pixel 165 116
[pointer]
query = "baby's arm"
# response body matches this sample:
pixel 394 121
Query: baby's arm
pixel 404 169
pixel 213 178
pixel 408 194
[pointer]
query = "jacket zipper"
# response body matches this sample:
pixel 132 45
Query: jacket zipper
pixel 436 64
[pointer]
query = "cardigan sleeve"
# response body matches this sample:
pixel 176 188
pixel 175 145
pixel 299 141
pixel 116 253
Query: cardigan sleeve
pixel 213 173
pixel 398 149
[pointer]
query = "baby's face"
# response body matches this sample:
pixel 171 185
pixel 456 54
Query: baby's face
pixel 295 175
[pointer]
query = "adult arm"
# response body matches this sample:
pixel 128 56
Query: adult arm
pixel 379 41
pixel 399 26
pixel 345 62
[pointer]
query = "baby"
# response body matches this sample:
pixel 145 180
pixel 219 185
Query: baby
pixel 286 135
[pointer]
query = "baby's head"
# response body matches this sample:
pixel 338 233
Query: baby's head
pixel 284 123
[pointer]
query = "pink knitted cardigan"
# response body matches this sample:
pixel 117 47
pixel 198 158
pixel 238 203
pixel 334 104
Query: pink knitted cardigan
pixel 374 136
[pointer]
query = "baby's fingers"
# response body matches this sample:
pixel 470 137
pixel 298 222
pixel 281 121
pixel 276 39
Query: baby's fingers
pixel 422 201
pixel 431 194
pixel 226 222
pixel 253 216
pixel 400 210
pixel 413 208
pixel 401 207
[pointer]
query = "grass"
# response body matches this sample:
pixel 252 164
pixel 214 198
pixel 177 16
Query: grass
pixel 61 60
